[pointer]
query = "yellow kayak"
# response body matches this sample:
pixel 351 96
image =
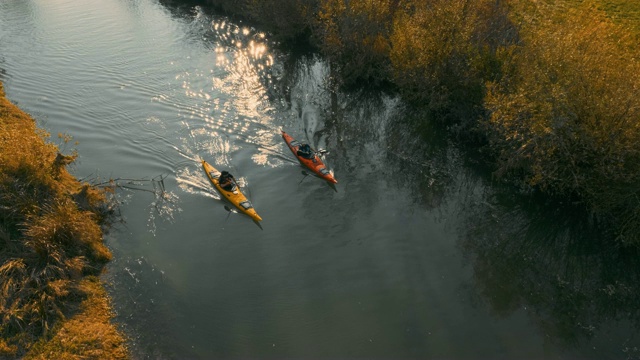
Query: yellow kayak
pixel 235 197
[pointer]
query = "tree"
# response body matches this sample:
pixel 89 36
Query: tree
pixel 354 34
pixel 442 52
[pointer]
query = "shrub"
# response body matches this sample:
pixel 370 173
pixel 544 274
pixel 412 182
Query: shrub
pixel 443 50
pixel 354 35
pixel 566 113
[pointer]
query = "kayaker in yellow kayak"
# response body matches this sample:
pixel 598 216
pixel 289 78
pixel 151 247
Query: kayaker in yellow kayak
pixel 230 190
pixel 227 181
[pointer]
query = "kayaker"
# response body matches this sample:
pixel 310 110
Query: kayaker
pixel 305 151
pixel 226 181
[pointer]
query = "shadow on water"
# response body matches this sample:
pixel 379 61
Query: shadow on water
pixel 551 260
pixel 3 72
pixel 527 252
pixel 305 174
pixel 425 167
pixel 547 257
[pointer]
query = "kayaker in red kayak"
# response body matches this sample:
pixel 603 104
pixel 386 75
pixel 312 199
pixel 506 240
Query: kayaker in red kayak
pixel 309 158
pixel 306 152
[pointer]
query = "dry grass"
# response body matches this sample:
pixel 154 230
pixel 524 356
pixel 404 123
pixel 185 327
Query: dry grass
pixel 91 325
pixel 50 245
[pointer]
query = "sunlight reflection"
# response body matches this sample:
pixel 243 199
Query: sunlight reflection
pixel 230 108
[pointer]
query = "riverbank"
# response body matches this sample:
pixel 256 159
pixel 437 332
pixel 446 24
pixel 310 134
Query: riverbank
pixel 546 91
pixel 52 302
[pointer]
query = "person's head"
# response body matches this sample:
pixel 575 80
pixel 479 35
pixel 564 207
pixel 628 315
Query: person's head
pixel 224 173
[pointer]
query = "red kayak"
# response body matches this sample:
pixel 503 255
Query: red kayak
pixel 313 162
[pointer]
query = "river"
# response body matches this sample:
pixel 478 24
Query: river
pixel 414 254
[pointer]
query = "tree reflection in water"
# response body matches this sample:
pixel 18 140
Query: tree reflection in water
pixel 552 261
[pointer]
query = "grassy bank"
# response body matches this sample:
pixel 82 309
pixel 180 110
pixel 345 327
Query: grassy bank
pixel 52 305
pixel 550 90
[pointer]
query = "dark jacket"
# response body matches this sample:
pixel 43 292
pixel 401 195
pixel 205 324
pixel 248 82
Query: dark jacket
pixel 305 151
pixel 227 181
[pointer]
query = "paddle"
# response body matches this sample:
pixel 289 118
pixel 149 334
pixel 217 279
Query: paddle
pixel 246 185
pixel 229 211
pixel 305 176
